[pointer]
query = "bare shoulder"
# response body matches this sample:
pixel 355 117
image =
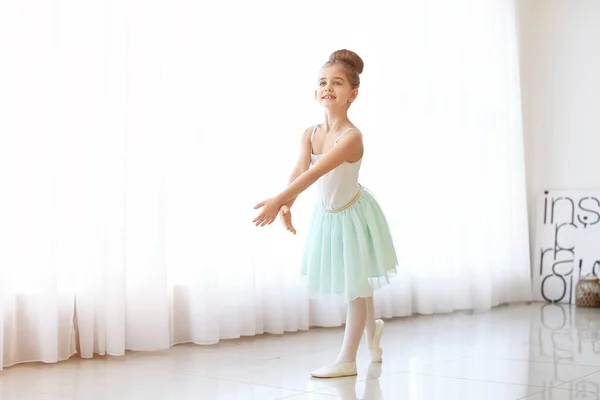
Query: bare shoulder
pixel 353 129
pixel 351 140
pixel 308 132
pixel 352 134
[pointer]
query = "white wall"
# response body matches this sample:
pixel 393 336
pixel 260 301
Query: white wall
pixel 560 64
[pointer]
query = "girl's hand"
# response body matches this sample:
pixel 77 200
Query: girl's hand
pixel 269 212
pixel 285 214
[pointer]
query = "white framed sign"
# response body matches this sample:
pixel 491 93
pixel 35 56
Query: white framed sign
pixel 567 243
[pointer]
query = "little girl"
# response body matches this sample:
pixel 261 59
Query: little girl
pixel 349 251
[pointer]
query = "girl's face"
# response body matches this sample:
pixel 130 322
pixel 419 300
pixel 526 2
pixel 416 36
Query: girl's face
pixel 333 89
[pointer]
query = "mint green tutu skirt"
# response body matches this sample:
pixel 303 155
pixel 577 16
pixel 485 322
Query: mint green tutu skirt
pixel 350 253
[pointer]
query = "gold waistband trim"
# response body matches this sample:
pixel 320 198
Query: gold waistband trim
pixel 346 206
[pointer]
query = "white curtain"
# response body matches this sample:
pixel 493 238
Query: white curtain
pixel 135 137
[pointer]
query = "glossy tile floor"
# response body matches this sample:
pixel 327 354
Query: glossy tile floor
pixel 534 351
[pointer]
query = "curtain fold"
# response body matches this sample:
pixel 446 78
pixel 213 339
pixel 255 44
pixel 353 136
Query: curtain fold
pixel 136 136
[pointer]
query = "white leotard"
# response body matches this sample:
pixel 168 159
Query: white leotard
pixel 340 185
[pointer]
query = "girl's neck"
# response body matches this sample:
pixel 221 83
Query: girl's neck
pixel 335 120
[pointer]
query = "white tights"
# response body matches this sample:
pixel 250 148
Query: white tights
pixel 360 317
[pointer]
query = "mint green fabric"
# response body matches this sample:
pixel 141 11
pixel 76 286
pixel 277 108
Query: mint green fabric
pixel 348 254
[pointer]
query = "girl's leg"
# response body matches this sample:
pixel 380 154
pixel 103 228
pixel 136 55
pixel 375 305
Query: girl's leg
pixel 370 324
pixel 345 363
pixel 355 325
pixel 374 330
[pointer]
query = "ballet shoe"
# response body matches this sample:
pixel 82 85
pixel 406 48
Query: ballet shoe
pixel 335 370
pixel 375 348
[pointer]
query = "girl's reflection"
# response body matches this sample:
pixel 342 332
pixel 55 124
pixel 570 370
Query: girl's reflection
pixel 371 390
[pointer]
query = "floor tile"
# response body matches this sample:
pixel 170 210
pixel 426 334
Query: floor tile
pixel 22 393
pixel 587 384
pixel 509 371
pixel 146 385
pixel 559 394
pixel 315 396
pixel 425 387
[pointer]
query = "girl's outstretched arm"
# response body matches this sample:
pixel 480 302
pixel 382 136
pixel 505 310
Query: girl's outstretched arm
pixel 303 163
pixel 349 145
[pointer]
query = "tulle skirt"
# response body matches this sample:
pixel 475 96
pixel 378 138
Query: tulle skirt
pixel 349 253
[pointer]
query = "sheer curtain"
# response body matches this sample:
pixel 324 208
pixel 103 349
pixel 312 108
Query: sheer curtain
pixel 137 135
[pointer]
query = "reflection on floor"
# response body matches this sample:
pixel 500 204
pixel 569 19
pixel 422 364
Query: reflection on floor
pixel 536 351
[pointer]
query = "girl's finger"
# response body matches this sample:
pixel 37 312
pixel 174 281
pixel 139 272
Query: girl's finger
pixel 259 205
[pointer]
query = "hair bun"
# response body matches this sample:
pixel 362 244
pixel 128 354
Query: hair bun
pixel 348 57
